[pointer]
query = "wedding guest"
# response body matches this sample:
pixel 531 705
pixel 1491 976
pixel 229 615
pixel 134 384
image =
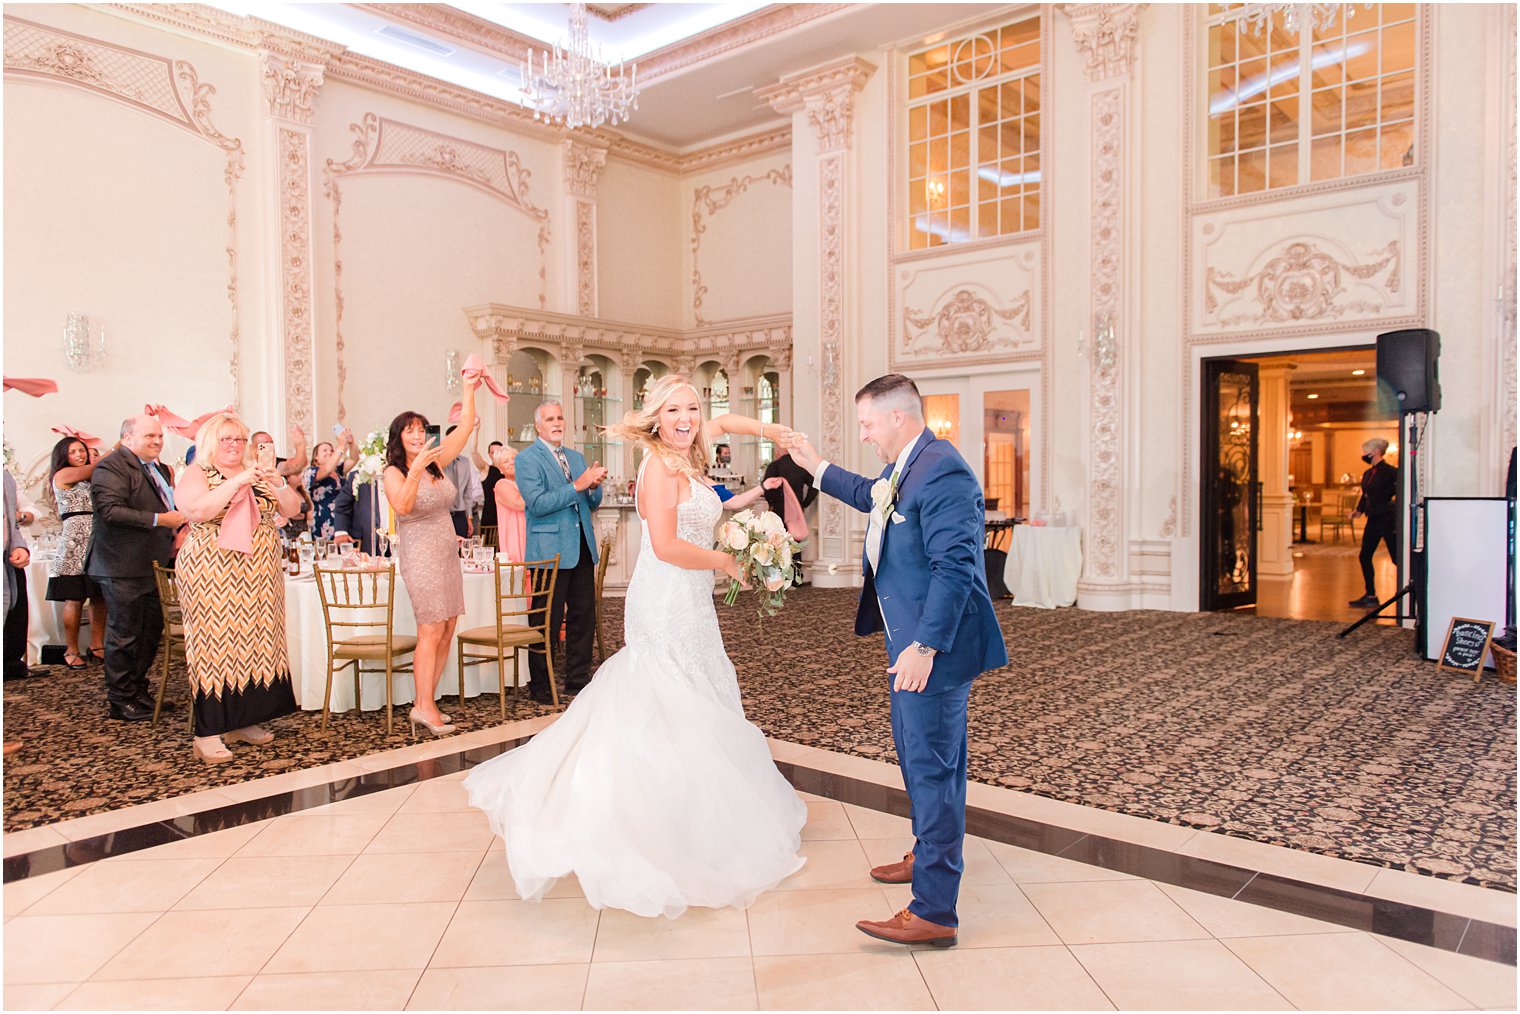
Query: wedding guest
pixel 419 491
pixel 288 467
pixel 232 590
pixel 325 477
pixel 507 498
pixel 560 495
pixel 796 477
pixel 468 493
pixel 354 514
pixel 69 478
pixel 17 556
pixel 490 475
pixel 1380 505
pixel 134 527
pixel 739 501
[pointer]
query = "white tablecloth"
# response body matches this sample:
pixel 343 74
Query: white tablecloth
pixel 306 640
pixel 1043 566
pixel 44 618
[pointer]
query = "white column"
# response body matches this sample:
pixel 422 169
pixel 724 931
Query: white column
pixel 822 104
pixel 1105 35
pixel 291 82
pixel 1274 542
pixel 583 166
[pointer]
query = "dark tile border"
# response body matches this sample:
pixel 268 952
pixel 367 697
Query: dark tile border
pixel 1459 934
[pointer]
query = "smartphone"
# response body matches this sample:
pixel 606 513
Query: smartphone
pixel 338 429
pixel 266 455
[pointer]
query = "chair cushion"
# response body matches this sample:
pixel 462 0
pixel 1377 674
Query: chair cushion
pixel 372 646
pixel 509 636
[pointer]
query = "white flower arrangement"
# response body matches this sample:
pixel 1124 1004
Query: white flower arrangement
pixel 767 557
pixel 883 496
pixel 371 457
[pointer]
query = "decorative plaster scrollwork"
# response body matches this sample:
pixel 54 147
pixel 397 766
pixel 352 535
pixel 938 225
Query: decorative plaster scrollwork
pixel 382 146
pixel 1302 282
pixel 826 95
pixel 706 202
pixel 1105 35
pixel 966 324
pixel 585 257
pixel 295 248
pixel 583 167
pixel 1107 191
pixel 291 86
pixel 831 326
pixel 1169 526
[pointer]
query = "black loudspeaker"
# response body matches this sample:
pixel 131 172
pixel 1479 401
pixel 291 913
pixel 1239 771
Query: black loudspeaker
pixel 1406 371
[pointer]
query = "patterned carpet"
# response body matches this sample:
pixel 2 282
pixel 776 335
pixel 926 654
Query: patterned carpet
pixel 1267 729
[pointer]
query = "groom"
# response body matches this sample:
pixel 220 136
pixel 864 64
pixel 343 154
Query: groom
pixel 926 588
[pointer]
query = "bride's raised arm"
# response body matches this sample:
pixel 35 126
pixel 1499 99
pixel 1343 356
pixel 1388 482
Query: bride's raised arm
pixel 743 425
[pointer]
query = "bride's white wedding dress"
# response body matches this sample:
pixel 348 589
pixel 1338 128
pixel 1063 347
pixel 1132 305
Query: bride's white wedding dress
pixel 651 788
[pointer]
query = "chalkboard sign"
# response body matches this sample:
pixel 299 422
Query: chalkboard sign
pixel 1466 646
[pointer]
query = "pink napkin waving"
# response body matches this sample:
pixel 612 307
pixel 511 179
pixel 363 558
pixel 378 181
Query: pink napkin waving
pixel 475 367
pixel 238 523
pixel 171 420
pixel 34 386
pixel 69 431
pixel 796 524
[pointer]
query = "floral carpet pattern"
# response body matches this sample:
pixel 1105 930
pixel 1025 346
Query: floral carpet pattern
pixel 1272 730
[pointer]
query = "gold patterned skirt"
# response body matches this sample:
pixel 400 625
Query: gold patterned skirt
pixel 234 610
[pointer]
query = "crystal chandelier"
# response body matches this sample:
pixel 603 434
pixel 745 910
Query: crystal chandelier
pixel 1295 17
pixel 573 87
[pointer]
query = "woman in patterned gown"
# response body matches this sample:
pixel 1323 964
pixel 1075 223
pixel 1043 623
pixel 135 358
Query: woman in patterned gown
pixel 421 496
pixel 232 590
pixel 652 787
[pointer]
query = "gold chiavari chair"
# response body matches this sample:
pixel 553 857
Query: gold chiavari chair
pixel 518 587
pixel 357 600
pixel 487 535
pixel 173 637
pixel 601 581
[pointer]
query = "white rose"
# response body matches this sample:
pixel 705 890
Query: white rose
pixel 737 538
pixel 785 558
pixel 770 523
pixel 881 494
pixel 776 583
pixel 744 517
pixel 764 554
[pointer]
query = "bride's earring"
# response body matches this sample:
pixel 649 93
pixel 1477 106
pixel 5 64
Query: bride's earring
pixel 655 430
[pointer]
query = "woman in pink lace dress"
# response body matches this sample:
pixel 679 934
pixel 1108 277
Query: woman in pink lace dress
pixel 511 511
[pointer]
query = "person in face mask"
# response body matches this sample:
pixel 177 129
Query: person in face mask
pixel 1380 506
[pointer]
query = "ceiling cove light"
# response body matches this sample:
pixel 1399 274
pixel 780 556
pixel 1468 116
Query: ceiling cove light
pixel 572 86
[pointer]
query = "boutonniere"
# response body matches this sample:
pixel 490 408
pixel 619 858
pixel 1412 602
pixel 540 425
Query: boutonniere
pixel 883 497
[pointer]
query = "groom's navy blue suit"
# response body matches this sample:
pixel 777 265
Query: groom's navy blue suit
pixel 930 586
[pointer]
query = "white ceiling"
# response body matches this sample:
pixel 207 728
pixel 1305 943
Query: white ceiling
pixel 683 108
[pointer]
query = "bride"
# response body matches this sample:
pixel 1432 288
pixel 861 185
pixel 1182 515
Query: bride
pixel 652 788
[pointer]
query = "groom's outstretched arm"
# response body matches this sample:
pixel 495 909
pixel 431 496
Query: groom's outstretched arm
pixel 837 482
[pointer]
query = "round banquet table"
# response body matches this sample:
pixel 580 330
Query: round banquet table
pixel 306 641
pixel 44 618
pixel 1044 563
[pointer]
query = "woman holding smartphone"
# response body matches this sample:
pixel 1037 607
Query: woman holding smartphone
pixel 421 496
pixel 324 479
pixel 232 589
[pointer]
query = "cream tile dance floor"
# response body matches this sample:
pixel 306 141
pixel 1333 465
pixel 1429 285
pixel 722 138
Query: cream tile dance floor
pixel 401 900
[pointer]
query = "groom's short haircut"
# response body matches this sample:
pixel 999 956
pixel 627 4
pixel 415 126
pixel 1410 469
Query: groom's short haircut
pixel 894 391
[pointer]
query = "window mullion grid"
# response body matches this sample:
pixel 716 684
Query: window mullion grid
pixel 1305 105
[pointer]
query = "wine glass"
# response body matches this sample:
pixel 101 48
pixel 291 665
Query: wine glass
pixel 346 553
pixel 483 555
pixel 382 543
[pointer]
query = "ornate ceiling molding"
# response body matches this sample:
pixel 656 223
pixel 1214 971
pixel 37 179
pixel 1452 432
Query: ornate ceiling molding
pixel 826 94
pixel 1105 35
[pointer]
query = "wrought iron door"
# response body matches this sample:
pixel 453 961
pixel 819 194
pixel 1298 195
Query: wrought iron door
pixel 1231 493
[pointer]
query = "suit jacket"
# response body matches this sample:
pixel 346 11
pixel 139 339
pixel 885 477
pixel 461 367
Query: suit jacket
pixel 797 477
pixel 124 541
pixel 353 512
pixel 559 515
pixel 932 580
pixel 13 540
pixel 1380 491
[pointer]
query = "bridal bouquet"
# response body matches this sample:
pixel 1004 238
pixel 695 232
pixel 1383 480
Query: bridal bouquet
pixel 372 457
pixel 767 557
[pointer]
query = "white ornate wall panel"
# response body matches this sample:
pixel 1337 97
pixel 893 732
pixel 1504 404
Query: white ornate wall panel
pixel 642 227
pixel 979 306
pixel 739 241
pixel 1332 261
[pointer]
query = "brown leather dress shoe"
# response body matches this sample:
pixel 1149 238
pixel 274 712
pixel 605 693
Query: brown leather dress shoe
pixel 895 873
pixel 907 928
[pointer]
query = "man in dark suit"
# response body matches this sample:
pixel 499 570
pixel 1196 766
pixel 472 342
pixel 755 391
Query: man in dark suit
pixel 353 514
pixel 135 522
pixel 796 477
pixel 1380 505
pixel 926 589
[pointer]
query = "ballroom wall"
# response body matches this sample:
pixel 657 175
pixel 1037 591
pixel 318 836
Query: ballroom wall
pixel 793 233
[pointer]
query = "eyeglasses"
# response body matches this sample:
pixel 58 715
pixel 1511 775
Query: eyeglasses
pixel 233 440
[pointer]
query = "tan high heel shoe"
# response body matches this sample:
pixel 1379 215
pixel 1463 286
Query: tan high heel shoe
pixel 211 755
pixel 437 730
pixel 253 735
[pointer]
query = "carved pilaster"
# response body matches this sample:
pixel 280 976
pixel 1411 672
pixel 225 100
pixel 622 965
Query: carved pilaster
pixel 290 86
pixel 826 96
pixel 1105 36
pixel 583 167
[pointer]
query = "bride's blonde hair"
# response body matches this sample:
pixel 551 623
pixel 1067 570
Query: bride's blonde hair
pixel 641 427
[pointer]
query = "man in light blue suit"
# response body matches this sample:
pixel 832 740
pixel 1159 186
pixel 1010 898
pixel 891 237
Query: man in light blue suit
pixel 926 589
pixel 561 494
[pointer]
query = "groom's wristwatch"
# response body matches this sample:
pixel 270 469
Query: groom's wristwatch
pixel 925 650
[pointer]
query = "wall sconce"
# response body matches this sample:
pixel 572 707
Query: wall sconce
pixel 942 427
pixel 934 191
pixel 451 368
pixel 79 352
